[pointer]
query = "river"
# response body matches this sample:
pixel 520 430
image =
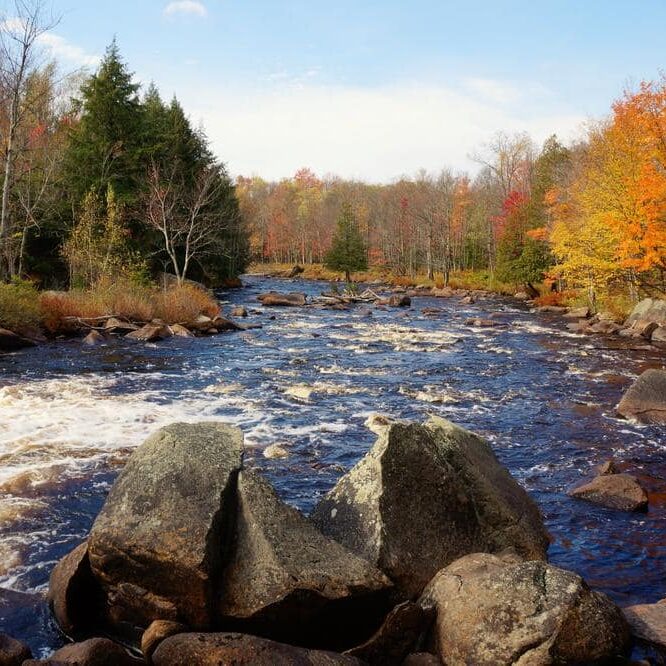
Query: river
pixel 544 398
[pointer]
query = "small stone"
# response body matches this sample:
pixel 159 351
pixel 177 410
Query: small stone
pixel 93 339
pixel 615 491
pixel 181 332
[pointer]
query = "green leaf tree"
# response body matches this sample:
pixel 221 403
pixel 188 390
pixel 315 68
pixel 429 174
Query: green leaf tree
pixel 348 252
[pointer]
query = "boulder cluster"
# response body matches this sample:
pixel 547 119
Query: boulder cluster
pixel 426 552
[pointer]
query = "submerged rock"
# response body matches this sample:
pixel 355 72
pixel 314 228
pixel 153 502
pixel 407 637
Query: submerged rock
pixel 239 311
pixel 615 491
pixel 493 611
pixel 424 496
pixel 648 622
pixel 273 298
pixel 645 400
pixel 286 581
pixel 233 648
pixel 158 543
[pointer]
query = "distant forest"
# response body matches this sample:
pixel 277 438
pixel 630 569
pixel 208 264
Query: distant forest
pixel 589 216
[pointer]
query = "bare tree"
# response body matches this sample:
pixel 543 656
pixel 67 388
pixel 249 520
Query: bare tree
pixel 184 214
pixel 509 159
pixel 19 56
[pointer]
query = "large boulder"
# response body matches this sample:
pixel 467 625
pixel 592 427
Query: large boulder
pixel 658 337
pixel 286 581
pixel 424 496
pixel 615 491
pixel 273 298
pixel 231 648
pixel 158 631
pixel 493 611
pixel 648 622
pixel 157 545
pixel 74 594
pixel 649 309
pixel 645 400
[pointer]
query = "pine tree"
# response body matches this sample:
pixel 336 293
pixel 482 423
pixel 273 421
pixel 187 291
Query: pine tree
pixel 106 143
pixel 348 252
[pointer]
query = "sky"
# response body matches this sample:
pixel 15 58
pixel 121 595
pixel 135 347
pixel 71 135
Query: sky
pixel 372 89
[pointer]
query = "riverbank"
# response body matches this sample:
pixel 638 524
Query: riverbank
pixel 28 316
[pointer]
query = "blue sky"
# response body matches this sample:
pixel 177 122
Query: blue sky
pixel 373 89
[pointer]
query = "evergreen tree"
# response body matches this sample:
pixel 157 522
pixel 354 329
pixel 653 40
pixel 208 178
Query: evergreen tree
pixel 105 147
pixel 348 252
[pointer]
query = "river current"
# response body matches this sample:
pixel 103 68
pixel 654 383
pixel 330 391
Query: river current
pixel 301 388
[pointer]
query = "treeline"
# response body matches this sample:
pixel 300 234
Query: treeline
pixel 588 216
pixel 102 181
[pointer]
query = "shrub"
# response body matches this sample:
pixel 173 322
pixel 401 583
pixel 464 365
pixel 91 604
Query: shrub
pixel 19 306
pixel 184 304
pixel 127 300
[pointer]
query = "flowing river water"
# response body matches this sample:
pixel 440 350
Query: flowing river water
pixel 70 416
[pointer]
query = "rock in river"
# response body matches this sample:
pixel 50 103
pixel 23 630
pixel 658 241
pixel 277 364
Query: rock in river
pixel 239 649
pixel 648 622
pixel 493 611
pixel 645 400
pixel 159 540
pixel 274 298
pixel 287 581
pixel 615 491
pixel 424 496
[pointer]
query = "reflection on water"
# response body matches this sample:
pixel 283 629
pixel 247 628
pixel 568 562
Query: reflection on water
pixel 304 385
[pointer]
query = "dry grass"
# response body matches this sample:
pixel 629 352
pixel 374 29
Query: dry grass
pixel 127 301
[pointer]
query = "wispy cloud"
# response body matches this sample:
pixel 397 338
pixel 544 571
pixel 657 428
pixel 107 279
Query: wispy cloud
pixel 189 7
pixel 64 51
pixel 55 45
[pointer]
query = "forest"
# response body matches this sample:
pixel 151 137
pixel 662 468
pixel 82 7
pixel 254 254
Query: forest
pixel 586 219
pixel 105 185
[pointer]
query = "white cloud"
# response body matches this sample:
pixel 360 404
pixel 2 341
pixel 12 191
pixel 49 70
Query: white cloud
pixel 191 7
pixel 64 51
pixel 372 133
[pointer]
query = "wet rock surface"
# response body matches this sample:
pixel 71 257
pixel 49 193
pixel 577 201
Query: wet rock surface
pixel 645 400
pixel 424 496
pixel 157 544
pixel 648 622
pixel 615 491
pixel 493 611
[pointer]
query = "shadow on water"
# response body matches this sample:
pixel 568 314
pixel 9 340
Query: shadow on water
pixel 544 397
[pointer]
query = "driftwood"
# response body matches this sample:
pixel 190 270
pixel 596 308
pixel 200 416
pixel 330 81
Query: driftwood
pixel 346 297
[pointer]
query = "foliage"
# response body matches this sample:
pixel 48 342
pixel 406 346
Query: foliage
pixel 96 249
pixel 19 306
pixel 348 252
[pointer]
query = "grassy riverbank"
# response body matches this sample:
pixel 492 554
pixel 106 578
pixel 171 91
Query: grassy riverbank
pixel 25 310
